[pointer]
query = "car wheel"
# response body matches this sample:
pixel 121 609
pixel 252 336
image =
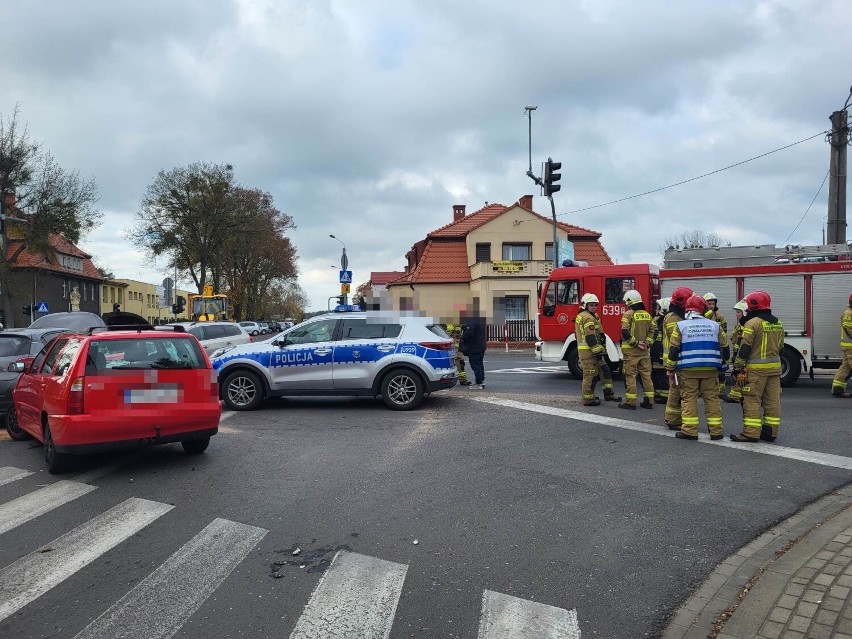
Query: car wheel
pixel 13 427
pixel 242 390
pixel 254 333
pixel 195 446
pixel 56 462
pixel 402 389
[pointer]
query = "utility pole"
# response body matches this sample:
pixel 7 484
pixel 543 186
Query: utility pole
pixel 839 139
pixel 547 185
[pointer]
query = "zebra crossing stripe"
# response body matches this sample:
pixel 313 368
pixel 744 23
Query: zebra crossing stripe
pixel 9 474
pixel 34 574
pixel 507 617
pixel 356 599
pixel 159 606
pixel 23 509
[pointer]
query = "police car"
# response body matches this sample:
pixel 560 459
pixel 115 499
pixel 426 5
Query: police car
pixel 356 353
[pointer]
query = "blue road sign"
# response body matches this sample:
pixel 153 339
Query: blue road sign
pixel 345 277
pixel 41 307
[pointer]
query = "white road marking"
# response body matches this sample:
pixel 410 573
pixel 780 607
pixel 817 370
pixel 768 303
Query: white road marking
pixel 507 617
pixel 160 605
pixel 355 599
pixel 762 448
pixel 9 474
pixel 34 574
pixel 532 369
pixel 23 509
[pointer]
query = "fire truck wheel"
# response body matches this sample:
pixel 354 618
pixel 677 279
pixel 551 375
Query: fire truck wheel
pixel 791 366
pixel 573 358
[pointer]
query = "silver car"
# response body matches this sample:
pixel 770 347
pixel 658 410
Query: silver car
pixel 215 336
pixel 346 353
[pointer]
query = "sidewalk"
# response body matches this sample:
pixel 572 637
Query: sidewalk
pixel 792 582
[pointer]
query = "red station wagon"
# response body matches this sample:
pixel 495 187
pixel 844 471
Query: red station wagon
pixel 88 393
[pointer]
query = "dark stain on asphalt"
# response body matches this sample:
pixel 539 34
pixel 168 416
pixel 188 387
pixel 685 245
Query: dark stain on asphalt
pixel 316 560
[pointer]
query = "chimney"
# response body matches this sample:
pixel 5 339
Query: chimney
pixel 9 199
pixel 526 202
pixel 458 212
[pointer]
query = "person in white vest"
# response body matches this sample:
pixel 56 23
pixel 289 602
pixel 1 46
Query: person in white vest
pixel 697 351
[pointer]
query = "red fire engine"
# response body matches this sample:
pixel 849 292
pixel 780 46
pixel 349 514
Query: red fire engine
pixel 807 297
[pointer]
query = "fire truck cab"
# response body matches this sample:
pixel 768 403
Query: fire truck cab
pixel 559 304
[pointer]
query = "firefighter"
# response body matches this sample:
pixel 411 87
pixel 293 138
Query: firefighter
pixel 735 395
pixel 455 331
pixel 838 386
pixel 658 370
pixel 677 313
pixel 591 342
pixel 697 352
pixel 715 314
pixel 636 339
pixel 757 368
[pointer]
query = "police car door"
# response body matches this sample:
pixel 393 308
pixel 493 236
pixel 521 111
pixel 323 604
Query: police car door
pixel 302 358
pixel 363 349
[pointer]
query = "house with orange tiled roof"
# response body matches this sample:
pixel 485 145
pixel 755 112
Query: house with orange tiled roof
pixel 490 261
pixel 48 279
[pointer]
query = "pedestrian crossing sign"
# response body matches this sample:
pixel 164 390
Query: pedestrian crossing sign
pixel 345 277
pixel 41 307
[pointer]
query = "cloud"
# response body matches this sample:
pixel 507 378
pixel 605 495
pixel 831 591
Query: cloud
pixel 371 120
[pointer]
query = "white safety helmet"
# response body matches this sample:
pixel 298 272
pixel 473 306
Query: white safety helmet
pixel 632 297
pixel 710 296
pixel 664 304
pixel 741 306
pixel 588 298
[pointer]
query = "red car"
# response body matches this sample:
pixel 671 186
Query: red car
pixel 87 393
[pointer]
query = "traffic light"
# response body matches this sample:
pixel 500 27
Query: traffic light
pixel 116 308
pixel 551 177
pixel 28 310
pixel 181 304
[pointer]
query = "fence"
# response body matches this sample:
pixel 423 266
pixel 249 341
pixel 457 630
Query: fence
pixel 518 331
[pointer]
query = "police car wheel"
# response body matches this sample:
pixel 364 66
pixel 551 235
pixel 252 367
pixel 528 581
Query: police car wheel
pixel 242 390
pixel 402 389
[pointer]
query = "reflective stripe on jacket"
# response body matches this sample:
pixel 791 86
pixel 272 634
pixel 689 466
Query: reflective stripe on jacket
pixel 766 340
pixel 846 329
pixel 587 324
pixel 639 325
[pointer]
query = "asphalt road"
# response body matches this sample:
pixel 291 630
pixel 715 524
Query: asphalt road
pixel 510 490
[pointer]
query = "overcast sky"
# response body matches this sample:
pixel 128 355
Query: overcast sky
pixel 369 119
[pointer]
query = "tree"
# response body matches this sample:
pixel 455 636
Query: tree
pixel 258 254
pixel 48 198
pixel 187 214
pixel 694 239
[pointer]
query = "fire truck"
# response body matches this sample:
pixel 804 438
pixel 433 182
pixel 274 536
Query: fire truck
pixel 807 296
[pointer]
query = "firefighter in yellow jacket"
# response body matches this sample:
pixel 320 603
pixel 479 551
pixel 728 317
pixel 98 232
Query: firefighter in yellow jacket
pixel 735 395
pixel 838 386
pixel 699 348
pixel 636 339
pixel 677 313
pixel 757 368
pixel 658 369
pixel 455 331
pixel 591 345
pixel 715 314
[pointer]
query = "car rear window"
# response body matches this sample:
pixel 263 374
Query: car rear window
pixel 232 331
pixel 12 345
pixel 141 353
pixel 439 331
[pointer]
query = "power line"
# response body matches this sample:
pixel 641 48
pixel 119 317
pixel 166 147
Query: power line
pixel 809 207
pixel 670 186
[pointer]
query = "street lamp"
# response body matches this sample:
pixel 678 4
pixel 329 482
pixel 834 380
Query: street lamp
pixel 344 261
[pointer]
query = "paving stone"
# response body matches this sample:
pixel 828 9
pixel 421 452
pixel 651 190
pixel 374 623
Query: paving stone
pixel 800 580
pixel 832 603
pixel 843 538
pixel 825 580
pixel 816 563
pixel 735 560
pixel 799 624
pixel 839 591
pixel 837 635
pixel 806 609
pixel 807 573
pixel 828 553
pixel 771 630
pixel 780 615
pixel 696 604
pixel 787 602
pixel 796 590
pixel 818 631
pixel 826 617
pixel 833 569
pixel 729 569
pixel 813 596
pixel 790 634
pixel 844 625
pixel 845 581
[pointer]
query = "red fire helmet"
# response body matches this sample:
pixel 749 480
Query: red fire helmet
pixel 758 301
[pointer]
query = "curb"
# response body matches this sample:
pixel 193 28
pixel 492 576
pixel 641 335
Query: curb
pixel 750 581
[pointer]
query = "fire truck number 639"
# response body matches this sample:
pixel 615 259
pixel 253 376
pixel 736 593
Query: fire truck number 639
pixel 612 309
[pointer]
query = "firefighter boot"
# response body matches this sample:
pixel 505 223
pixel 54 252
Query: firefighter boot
pixel 647 403
pixel 743 438
pixel 594 401
pixel 839 391
pixel 610 396
pixel 627 406
pixel 766 433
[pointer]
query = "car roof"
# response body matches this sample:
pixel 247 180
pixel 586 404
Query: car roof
pixel 72 321
pixel 32 333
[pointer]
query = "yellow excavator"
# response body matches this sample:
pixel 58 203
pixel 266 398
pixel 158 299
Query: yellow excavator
pixel 209 306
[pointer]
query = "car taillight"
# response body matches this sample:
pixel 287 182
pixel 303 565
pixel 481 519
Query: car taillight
pixel 214 383
pixel 75 396
pixel 251 338
pixel 438 346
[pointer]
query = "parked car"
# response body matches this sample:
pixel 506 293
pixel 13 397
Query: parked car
pixel 341 354
pixel 15 344
pixel 71 321
pixel 216 335
pixel 264 328
pixel 252 328
pixel 88 393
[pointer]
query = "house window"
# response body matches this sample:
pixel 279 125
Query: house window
pixel 104 288
pixel 548 252
pixel 121 296
pixel 616 287
pixel 112 294
pixel 483 252
pixel 516 252
pixel 65 290
pixel 515 307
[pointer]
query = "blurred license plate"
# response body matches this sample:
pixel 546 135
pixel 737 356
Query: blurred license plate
pixel 150 395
